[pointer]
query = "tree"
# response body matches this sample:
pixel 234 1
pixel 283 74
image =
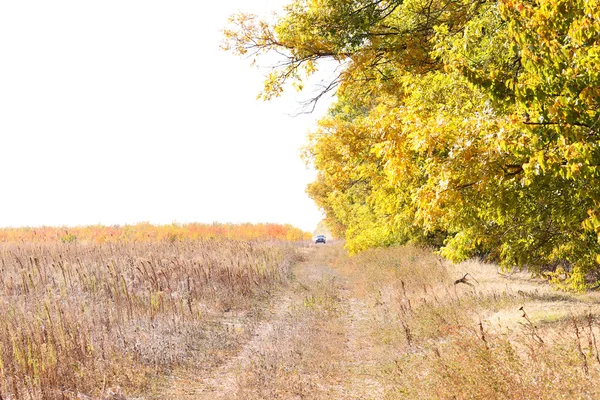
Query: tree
pixel 472 123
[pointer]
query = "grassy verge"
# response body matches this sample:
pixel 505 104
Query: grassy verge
pixel 495 336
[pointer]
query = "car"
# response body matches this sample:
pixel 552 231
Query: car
pixel 320 239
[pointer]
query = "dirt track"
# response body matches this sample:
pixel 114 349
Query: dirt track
pixel 310 344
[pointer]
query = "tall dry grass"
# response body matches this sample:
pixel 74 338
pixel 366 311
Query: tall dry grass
pixel 494 337
pixel 79 319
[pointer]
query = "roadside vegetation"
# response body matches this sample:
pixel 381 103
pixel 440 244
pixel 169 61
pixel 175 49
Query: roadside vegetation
pixel 434 333
pixel 100 320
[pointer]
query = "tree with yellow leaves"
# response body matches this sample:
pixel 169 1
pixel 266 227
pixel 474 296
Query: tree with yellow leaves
pixel 472 126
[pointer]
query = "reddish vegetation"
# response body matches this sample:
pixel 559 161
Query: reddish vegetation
pixel 145 232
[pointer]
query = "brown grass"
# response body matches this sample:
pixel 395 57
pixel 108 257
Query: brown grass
pixel 82 320
pixel 435 339
pixel 118 319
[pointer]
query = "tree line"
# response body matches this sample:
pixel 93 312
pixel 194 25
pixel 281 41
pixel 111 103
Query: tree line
pixel 472 126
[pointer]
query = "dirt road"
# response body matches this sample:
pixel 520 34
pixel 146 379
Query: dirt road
pixel 310 344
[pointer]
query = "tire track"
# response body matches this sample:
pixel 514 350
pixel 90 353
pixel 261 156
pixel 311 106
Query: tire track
pixel 313 343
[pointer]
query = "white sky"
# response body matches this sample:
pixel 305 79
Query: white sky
pixel 123 111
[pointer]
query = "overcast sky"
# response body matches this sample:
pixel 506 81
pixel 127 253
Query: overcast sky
pixel 123 111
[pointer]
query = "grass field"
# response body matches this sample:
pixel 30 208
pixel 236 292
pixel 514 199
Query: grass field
pixel 91 319
pixel 145 232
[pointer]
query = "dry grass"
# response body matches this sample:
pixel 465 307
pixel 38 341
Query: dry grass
pixel 434 339
pixel 116 319
pixel 83 319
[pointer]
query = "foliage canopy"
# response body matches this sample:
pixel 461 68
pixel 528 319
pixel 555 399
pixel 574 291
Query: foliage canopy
pixel 473 126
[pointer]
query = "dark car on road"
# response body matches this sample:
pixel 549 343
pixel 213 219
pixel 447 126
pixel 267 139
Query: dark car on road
pixel 320 239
